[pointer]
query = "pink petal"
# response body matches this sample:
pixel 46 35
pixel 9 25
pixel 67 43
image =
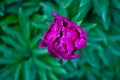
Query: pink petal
pixel 54 53
pixel 48 31
pixel 42 43
pixel 78 28
pixel 54 14
pixel 70 47
pixel 73 56
pixel 80 43
pixel 83 35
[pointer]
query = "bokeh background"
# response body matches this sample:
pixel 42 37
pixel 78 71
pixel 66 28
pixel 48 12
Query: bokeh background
pixel 23 23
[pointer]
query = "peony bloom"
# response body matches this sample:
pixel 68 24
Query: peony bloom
pixel 63 38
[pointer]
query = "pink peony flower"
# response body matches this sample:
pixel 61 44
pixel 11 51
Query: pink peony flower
pixel 63 38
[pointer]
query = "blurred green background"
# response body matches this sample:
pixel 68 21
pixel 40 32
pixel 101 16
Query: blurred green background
pixel 23 23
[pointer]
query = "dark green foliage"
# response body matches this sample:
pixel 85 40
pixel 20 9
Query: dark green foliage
pixel 23 23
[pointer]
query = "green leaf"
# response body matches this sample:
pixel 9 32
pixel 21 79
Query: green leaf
pixel 93 59
pixel 11 42
pixel 117 72
pixel 114 51
pixel 31 10
pixel 39 52
pixel 40 64
pixel 116 16
pixel 39 18
pixel 31 3
pixel 2 7
pixel 51 61
pixel 1 13
pixel 113 37
pixel 26 32
pixel 13 7
pixel 48 8
pixel 104 8
pixel 42 75
pixel 40 25
pixel 8 2
pixel 74 63
pixel 8 30
pixel 82 11
pixel 64 3
pixel 20 39
pixel 52 76
pixel 116 3
pixel 7 71
pixel 83 2
pixel 101 8
pixel 79 22
pixel 63 12
pixel 5 50
pixel 26 72
pixel 89 26
pixel 59 70
pixel 35 40
pixel 23 20
pixel 9 20
pixel 17 72
pixel 7 61
pixel 103 57
pixel 90 76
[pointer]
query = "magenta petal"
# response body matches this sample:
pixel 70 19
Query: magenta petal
pixel 47 33
pixel 73 56
pixel 83 35
pixel 54 14
pixel 42 44
pixel 80 44
pixel 79 29
pixel 54 53
pixel 70 47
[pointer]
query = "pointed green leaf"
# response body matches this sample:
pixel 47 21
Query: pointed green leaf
pixel 79 22
pixel 39 52
pixel 41 64
pixel 83 2
pixel 59 70
pixel 8 30
pixel 48 8
pixel 90 76
pixel 63 3
pixel 20 39
pixel 40 25
pixel 31 10
pixel 23 20
pixel 42 75
pixel 17 72
pixel 82 11
pixel 52 76
pixel 35 40
pixel 39 18
pixel 5 50
pixel 89 26
pixel 116 3
pixel 7 61
pixel 26 72
pixel 52 61
pixel 6 72
pixel 26 32
pixel 11 42
pixel 9 20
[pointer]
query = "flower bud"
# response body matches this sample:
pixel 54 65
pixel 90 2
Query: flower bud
pixel 63 38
